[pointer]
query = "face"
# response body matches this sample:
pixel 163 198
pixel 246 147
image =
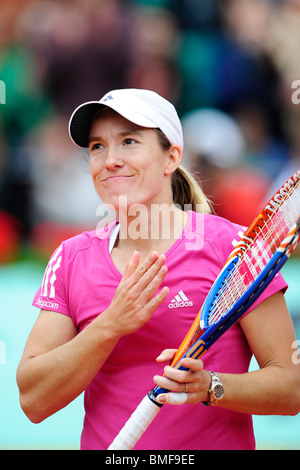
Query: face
pixel 127 160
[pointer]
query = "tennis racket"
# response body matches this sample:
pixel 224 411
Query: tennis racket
pixel 260 254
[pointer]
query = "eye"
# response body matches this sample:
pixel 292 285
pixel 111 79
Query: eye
pixel 129 141
pixel 96 146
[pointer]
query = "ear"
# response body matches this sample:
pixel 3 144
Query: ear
pixel 174 158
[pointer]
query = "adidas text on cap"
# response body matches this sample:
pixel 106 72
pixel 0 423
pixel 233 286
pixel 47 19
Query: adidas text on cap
pixel 144 108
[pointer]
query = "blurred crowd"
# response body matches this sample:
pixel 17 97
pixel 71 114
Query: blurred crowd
pixel 227 65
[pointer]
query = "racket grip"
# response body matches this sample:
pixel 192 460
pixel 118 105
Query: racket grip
pixel 136 425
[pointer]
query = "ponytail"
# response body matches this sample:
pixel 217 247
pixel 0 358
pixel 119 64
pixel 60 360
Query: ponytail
pixel 185 190
pixel 187 193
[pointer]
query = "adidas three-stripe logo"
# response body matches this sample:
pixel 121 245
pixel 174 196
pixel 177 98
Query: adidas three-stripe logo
pixel 180 300
pixel 50 276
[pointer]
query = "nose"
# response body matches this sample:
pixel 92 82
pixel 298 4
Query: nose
pixel 113 159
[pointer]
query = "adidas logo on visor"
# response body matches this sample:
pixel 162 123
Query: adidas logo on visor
pixel 109 97
pixel 180 300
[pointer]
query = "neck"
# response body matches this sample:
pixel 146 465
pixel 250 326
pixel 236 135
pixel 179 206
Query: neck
pixel 147 229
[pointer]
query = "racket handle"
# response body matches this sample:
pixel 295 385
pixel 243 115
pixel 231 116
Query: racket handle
pixel 136 425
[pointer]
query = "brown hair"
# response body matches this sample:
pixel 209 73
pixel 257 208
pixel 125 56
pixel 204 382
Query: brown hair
pixel 186 191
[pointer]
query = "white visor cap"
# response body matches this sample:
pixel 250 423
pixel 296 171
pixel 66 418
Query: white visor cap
pixel 144 108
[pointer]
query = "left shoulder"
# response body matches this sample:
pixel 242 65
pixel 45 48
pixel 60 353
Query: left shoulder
pixel 217 228
pixel 221 234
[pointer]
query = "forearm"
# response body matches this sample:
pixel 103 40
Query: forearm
pixel 273 390
pixel 51 380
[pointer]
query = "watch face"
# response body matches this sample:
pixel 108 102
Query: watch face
pixel 218 391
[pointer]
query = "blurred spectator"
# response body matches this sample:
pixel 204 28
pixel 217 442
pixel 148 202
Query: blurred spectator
pixel 214 152
pixel 283 46
pixel 156 31
pixel 239 194
pixel 155 52
pixel 284 38
pixel 64 199
pixel 54 55
pixel 60 172
pixel 246 71
pixel 234 58
pixel 264 150
pixel 156 74
pixel 247 22
pixel 27 104
pixel 212 135
pixel 223 61
pixel 82 47
pixel 196 14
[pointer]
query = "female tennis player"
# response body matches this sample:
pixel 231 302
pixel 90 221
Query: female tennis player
pixel 113 299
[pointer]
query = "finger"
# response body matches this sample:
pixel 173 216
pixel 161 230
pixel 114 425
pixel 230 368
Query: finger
pixel 194 365
pixel 166 355
pixel 146 265
pixel 149 286
pixel 133 268
pixel 173 379
pixel 132 265
pixel 156 301
pixel 172 398
pixel 145 273
pixel 169 384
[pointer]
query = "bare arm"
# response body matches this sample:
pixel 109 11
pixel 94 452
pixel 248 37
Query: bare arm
pixel 58 363
pixel 273 389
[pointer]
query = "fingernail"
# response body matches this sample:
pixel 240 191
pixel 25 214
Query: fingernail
pixel 160 357
pixel 162 398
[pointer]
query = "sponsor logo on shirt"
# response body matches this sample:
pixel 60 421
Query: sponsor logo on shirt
pixel 180 300
pixel 46 304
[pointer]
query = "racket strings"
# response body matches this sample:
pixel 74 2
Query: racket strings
pixel 283 220
pixel 269 235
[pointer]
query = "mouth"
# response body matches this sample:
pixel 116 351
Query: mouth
pixel 117 178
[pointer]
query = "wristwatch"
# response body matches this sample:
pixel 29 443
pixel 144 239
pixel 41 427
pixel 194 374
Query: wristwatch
pixel 215 391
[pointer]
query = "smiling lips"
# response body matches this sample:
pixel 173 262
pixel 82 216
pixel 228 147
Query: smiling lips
pixel 117 177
